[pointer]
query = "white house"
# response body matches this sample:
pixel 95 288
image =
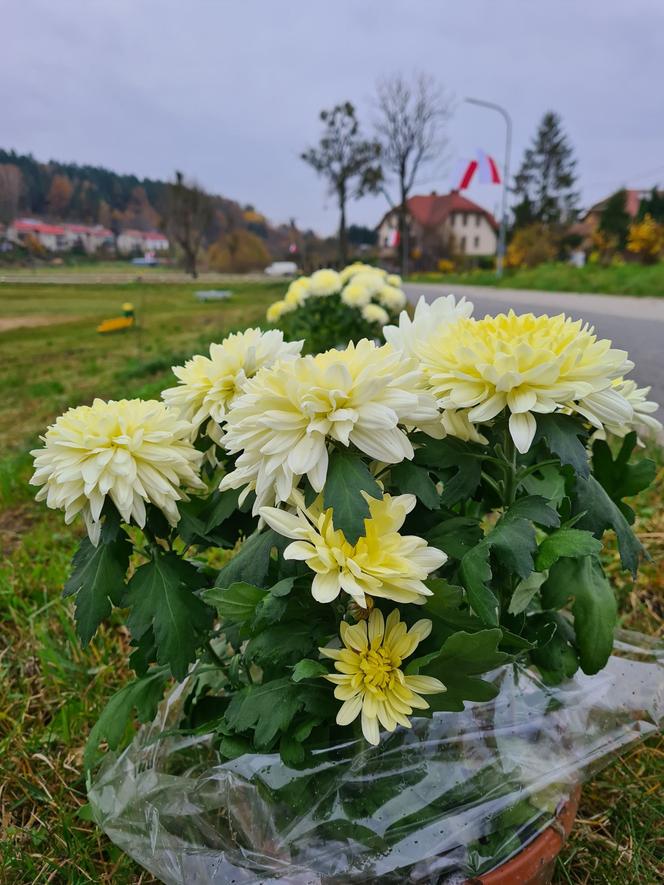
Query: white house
pixel 142 241
pixel 441 226
pixel 60 237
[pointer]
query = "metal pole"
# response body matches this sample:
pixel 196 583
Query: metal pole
pixel 502 233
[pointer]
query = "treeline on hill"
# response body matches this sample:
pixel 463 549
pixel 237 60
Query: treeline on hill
pixel 231 237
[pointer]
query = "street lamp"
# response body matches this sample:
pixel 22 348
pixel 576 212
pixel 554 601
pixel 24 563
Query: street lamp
pixel 502 234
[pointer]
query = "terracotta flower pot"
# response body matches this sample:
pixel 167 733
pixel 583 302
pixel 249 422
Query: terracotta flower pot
pixel 535 864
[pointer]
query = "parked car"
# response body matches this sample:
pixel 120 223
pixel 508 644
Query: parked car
pixel 281 269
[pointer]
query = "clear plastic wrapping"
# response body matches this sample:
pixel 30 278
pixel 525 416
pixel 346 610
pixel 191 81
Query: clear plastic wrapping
pixel 454 797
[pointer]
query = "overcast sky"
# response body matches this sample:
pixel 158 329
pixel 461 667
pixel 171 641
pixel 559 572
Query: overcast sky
pixel 230 90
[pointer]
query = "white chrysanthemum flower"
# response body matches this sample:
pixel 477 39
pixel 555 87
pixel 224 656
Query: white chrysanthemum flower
pixel 278 309
pixel 355 295
pixel 324 282
pixel 410 334
pixel 382 563
pixel 393 279
pixel 207 385
pixel 281 424
pixel 298 292
pixel 372 279
pixel 132 452
pixel 392 298
pixel 374 313
pixel 526 365
pixel 350 270
pixel 623 399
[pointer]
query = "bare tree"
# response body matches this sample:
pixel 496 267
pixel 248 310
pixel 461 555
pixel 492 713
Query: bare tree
pixel 190 212
pixel 347 160
pixel 411 129
pixel 11 190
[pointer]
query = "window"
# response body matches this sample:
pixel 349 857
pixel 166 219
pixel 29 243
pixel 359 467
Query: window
pixel 465 219
pixel 476 242
pixel 478 220
pixel 462 244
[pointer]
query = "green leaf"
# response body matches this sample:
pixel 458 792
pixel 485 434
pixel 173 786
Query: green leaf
pixel 476 574
pixel 564 436
pixel 455 536
pixel 235 604
pixel 548 482
pixel 251 564
pixel 97 577
pixel 143 694
pixel 415 480
pixel 535 508
pixel 308 669
pixel 291 751
pixel 448 605
pixel 284 643
pixel 619 478
pixel 462 658
pixel 582 583
pixel 525 591
pixel 601 513
pixel 555 652
pixel 513 538
pixel 565 542
pixel 232 747
pixel 347 477
pixel 269 610
pixel 161 598
pixel 459 461
pixel 267 709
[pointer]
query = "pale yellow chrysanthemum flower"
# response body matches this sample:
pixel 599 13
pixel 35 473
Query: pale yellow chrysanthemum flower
pixel 371 278
pixel 355 295
pixel 298 292
pixel 393 279
pixel 428 319
pixel 281 425
pixel 600 409
pixel 382 562
pixel 370 681
pixel 392 298
pixel 350 270
pixel 324 282
pixel 278 309
pixel 522 363
pixel 374 313
pixel 133 452
pixel 208 385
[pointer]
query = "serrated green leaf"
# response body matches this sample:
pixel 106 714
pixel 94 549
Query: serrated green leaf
pixel 414 479
pixel 601 513
pixel 554 654
pixel 476 573
pixel 232 747
pixel 535 508
pixel 251 564
pixel 455 536
pixel 283 643
pixel 143 694
pixel 266 709
pixel 347 477
pixel 448 606
pixel 235 604
pixel 582 584
pixel 618 477
pixel 97 577
pixel 161 598
pixel 291 751
pixel 525 592
pixel 308 669
pixel 460 661
pixel 564 436
pixel 565 542
pixel 461 469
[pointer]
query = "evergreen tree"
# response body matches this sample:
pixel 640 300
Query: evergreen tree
pixel 615 219
pixel 545 182
pixel 653 205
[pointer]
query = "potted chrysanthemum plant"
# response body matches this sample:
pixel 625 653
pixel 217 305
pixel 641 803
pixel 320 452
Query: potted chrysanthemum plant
pixel 336 554
pixel 330 308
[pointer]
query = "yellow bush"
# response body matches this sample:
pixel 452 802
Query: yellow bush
pixel 646 239
pixel 238 252
pixel 445 265
pixel 530 246
pixel 604 246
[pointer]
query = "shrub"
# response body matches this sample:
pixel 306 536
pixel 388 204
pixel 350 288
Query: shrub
pixel 646 239
pixel 530 246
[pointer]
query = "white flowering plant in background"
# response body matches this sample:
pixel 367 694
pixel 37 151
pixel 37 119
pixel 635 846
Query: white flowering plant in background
pixel 329 544
pixel 330 308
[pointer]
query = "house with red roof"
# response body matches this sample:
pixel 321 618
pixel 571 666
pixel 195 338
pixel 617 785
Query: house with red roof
pixel 60 237
pixel 633 197
pixel 143 241
pixel 440 226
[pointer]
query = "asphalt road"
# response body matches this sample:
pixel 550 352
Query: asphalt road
pixel 633 324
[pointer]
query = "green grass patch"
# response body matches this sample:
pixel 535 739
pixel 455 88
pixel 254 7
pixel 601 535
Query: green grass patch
pixel 627 279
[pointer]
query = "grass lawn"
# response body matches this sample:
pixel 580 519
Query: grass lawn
pixel 629 279
pixel 51 689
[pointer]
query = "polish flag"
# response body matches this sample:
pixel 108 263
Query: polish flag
pixel 487 168
pixel 467 175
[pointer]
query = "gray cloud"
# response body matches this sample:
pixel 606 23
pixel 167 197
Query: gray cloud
pixel 230 91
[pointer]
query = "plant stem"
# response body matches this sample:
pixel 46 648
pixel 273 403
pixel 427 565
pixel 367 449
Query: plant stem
pixel 509 466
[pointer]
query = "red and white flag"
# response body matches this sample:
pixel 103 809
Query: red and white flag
pixel 484 166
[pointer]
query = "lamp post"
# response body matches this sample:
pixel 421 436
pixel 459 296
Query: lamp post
pixel 502 233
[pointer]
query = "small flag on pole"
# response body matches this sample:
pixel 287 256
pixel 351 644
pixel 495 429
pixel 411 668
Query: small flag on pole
pixel 485 166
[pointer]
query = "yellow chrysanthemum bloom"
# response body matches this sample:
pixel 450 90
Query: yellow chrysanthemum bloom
pixel 355 295
pixel 393 279
pixel 370 681
pixel 350 270
pixel 298 292
pixel 374 313
pixel 382 563
pixel 324 282
pixel 131 451
pixel 372 279
pixel 429 317
pixel 281 424
pixel 278 309
pixel 207 385
pixel 522 363
pixel 392 298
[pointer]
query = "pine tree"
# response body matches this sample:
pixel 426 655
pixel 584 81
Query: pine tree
pixel 652 205
pixel 615 219
pixel 545 182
